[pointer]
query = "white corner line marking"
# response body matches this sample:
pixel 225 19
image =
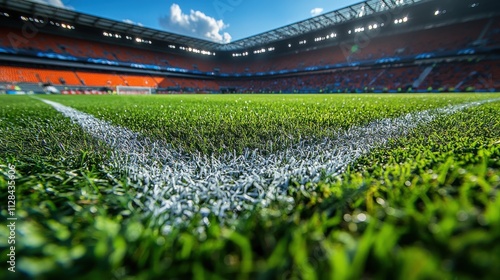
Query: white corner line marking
pixel 176 186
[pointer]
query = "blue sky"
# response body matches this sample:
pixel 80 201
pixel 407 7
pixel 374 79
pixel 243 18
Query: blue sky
pixel 216 20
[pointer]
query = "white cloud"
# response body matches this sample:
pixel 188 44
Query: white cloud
pixel 196 24
pixel 129 21
pixel 316 11
pixel 55 3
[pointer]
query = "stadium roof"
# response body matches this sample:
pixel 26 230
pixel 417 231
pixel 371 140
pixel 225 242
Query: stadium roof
pixel 352 12
pixel 349 13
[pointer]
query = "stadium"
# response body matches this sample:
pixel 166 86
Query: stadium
pixel 362 142
pixel 361 48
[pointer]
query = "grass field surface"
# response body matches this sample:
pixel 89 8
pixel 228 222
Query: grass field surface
pixel 253 186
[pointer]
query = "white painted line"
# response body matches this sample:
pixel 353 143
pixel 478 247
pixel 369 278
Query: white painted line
pixel 175 186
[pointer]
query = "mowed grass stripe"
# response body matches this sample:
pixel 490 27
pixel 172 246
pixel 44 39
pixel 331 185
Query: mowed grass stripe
pixel 216 124
pixel 178 186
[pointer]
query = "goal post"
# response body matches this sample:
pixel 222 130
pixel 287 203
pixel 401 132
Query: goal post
pixel 129 90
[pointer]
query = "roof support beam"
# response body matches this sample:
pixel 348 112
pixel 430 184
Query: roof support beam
pixel 369 7
pixel 386 4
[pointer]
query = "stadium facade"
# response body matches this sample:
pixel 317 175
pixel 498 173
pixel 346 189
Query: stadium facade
pixel 372 46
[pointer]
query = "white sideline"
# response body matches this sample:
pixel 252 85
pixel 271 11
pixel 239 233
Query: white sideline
pixel 176 186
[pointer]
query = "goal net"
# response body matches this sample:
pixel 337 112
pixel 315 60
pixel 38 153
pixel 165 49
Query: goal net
pixel 133 90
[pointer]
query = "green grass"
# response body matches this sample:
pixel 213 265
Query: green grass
pixel 426 206
pixel 211 124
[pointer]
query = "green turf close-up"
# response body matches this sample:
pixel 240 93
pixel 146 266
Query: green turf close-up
pixel 422 206
pixel 221 123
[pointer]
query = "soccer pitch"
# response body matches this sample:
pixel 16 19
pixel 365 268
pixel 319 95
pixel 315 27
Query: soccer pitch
pixel 252 186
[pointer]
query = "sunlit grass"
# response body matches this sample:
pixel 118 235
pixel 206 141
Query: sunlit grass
pixel 425 206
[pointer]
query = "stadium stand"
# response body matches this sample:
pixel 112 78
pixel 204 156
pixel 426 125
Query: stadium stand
pixel 464 75
pixel 481 76
pixel 493 33
pixel 56 77
pixel 86 49
pixel 446 38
